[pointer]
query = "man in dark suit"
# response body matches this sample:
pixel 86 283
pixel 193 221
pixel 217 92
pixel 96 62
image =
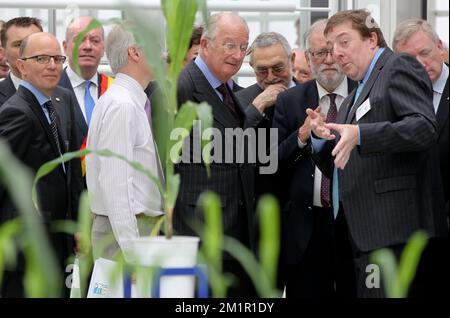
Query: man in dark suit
pixel 36 134
pixel 308 224
pixel 418 38
pixel 89 85
pixel 12 35
pixel 271 59
pixel 208 79
pixel 381 153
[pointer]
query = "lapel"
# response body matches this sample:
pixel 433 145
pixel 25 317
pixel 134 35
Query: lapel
pixel 61 123
pixel 204 92
pixel 369 84
pixel 99 83
pixel 7 87
pixel 78 115
pixel 442 113
pixel 38 112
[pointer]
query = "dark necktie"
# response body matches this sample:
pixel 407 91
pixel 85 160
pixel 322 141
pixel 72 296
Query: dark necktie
pixel 227 99
pixel 53 127
pixel 325 183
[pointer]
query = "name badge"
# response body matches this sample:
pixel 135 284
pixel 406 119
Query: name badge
pixel 363 109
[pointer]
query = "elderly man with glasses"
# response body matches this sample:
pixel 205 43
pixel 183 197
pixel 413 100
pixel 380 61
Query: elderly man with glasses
pixel 35 125
pixel 208 79
pixel 308 222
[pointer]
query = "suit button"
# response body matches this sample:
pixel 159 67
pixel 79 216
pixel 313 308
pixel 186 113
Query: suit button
pixel 310 208
pixel 312 176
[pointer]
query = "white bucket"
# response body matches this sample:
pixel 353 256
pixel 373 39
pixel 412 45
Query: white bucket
pixel 177 252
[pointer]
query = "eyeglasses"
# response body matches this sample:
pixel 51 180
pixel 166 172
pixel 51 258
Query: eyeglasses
pixel 232 47
pixel 264 71
pixel 45 59
pixel 322 54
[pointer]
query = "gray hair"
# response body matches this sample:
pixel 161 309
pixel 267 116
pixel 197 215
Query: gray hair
pixel 311 29
pixel 210 31
pixel 267 39
pixel 117 43
pixel 408 28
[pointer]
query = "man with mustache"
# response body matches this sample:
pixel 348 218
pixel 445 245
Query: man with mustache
pixel 307 217
pixel 271 59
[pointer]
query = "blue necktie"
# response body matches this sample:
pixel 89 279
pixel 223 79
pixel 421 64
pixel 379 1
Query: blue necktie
pixel 88 101
pixel 335 193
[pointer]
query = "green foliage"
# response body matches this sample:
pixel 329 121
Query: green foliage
pixel 8 233
pixel 42 277
pixel 269 244
pixel 398 278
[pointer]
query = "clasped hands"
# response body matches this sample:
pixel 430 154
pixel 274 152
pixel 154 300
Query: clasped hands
pixel 348 133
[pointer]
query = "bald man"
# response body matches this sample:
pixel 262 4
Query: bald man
pixel 89 84
pixel 301 69
pixel 36 134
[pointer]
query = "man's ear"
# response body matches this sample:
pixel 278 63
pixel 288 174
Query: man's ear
pixel 20 64
pixel 134 53
pixel 293 55
pixel 373 39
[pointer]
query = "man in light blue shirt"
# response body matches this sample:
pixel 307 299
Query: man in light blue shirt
pixel 381 151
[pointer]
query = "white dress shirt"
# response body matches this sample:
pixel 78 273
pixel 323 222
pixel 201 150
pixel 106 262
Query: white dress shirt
pixel 79 86
pixel 438 87
pixel 16 80
pixel 119 123
pixel 324 102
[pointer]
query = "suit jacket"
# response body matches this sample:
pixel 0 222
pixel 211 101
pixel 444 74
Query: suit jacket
pixel 296 167
pixel 233 182
pixel 80 122
pixel 24 126
pixel 7 89
pixel 391 185
pixel 65 104
pixel 443 139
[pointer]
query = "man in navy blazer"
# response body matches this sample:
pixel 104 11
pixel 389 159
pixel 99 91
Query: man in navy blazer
pixel 36 134
pixel 307 222
pixel 418 38
pixel 381 153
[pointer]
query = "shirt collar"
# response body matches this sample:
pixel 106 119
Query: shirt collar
pixel 136 91
pixel 372 65
pixel 77 80
pixel 41 97
pixel 16 80
pixel 341 90
pixel 212 80
pixel 439 85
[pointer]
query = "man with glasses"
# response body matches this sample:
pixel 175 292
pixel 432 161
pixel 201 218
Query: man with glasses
pixel 208 79
pixel 308 226
pixel 381 153
pixel 34 131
